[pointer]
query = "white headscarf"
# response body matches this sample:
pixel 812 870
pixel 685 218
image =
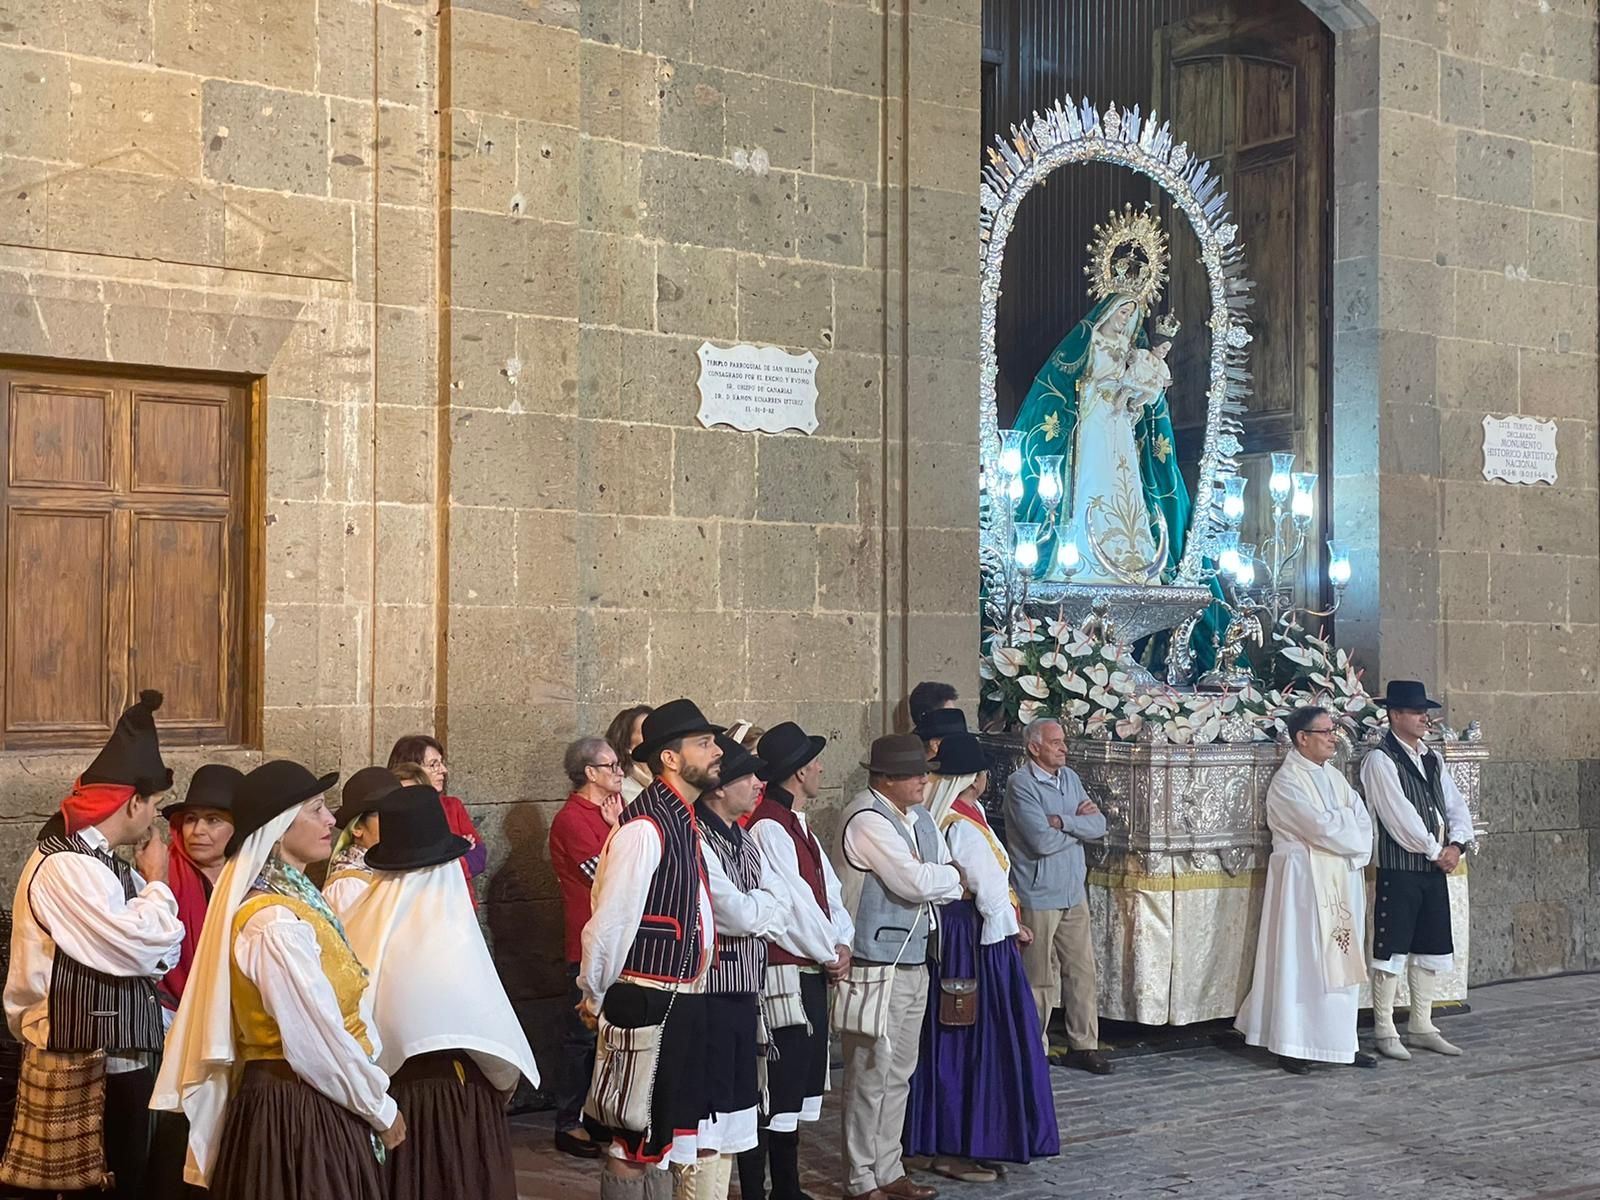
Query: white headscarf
pixel 433 984
pixel 947 790
pixel 197 1071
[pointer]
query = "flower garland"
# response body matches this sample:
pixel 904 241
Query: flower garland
pixel 1052 669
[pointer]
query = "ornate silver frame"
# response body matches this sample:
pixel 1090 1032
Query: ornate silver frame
pixel 1064 135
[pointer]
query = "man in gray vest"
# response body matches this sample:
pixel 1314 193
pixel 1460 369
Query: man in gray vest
pixel 1423 830
pixel 1048 818
pixel 894 868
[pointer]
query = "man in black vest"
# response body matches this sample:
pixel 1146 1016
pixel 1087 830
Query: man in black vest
pixel 1423 830
pixel 646 950
pixel 91 939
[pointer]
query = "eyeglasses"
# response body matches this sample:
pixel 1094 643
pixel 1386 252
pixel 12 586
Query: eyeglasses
pixel 613 765
pixel 1329 729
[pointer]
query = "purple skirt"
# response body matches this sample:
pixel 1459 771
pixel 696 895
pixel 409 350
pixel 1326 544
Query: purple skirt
pixel 981 1091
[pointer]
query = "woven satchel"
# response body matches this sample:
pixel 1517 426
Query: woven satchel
pixel 57 1139
pixel 861 998
pixel 622 1088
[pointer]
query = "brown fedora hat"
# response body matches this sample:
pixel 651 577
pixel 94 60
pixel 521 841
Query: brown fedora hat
pixel 898 754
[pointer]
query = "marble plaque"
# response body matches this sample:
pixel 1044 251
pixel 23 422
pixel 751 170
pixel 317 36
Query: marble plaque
pixel 758 387
pixel 1519 449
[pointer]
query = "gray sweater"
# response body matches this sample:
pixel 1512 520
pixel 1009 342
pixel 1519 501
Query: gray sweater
pixel 1047 864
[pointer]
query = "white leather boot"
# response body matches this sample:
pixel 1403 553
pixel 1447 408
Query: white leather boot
pixel 1385 987
pixel 1420 1029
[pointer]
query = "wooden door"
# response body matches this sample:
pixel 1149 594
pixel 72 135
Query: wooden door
pixel 1248 86
pixel 124 555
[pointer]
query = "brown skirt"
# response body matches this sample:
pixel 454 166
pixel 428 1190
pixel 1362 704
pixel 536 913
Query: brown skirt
pixel 457 1141
pixel 284 1139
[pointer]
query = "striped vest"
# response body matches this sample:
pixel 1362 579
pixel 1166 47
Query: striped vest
pixel 668 946
pixel 741 961
pixel 807 855
pixel 1425 792
pixel 90 1010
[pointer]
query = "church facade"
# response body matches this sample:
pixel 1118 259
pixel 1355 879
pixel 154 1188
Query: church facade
pixel 351 354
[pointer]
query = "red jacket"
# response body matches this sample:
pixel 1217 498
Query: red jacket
pixel 475 860
pixel 577 836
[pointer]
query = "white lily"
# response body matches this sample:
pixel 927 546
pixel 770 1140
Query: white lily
pixel 1034 686
pixel 1031 710
pixel 1008 660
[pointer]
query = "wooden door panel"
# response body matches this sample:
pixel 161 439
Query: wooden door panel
pixel 58 567
pixel 180 444
pixel 59 437
pixel 178 565
pixel 1199 87
pixel 1264 203
pixel 1267 102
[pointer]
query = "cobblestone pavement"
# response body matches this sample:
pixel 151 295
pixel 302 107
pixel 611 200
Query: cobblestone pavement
pixel 1517 1118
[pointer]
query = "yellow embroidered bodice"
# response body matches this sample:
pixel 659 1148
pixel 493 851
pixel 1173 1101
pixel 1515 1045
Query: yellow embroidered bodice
pixel 256 1031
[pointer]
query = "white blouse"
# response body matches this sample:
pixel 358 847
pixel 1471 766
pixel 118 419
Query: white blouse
pixel 989 881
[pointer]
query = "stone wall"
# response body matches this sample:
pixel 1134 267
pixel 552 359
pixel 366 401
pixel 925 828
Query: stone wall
pixel 1467 285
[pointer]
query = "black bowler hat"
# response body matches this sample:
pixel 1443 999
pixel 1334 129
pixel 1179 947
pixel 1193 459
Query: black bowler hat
pixel 786 748
pixel 673 720
pixel 212 786
pixel 415 833
pixel 272 788
pixel 132 754
pixel 1407 693
pixel 362 791
pixel 961 754
pixel 941 723
pixel 737 762
pixel 899 754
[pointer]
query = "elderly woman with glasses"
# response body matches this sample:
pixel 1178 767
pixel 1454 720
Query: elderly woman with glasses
pixel 577 835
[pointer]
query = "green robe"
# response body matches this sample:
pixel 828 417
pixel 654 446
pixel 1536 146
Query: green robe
pixel 1049 420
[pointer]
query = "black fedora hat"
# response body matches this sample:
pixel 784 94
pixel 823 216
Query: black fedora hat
pixel 898 754
pixel 673 720
pixel 941 723
pixel 737 762
pixel 962 754
pixel 786 748
pixel 212 786
pixel 415 833
pixel 362 791
pixel 272 788
pixel 1407 693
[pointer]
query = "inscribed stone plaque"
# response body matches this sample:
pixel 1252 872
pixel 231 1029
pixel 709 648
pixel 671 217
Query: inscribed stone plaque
pixel 758 387
pixel 1519 449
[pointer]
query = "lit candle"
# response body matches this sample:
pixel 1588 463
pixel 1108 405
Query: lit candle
pixel 1228 559
pixel 1338 564
pixel 1067 554
pixel 1233 500
pixel 1050 479
pixel 1305 492
pixel 1245 573
pixel 1014 490
pixel 1027 553
pixel 1011 452
pixel 1279 483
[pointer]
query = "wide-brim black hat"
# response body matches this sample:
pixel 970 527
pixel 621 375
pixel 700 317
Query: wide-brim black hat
pixel 362 791
pixel 941 723
pixel 414 833
pixel 673 720
pixel 787 748
pixel 272 788
pixel 212 786
pixel 1407 693
pixel 899 754
pixel 962 754
pixel 132 754
pixel 737 762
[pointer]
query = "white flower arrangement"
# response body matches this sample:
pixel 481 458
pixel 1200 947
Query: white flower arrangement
pixel 1052 669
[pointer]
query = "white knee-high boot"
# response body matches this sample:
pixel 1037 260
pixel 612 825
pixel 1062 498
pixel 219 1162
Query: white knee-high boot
pixel 1420 1029
pixel 1385 987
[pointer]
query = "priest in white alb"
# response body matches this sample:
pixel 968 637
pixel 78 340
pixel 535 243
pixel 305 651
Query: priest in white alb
pixel 1310 963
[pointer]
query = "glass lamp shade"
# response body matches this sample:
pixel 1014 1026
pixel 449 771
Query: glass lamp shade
pixel 1305 496
pixel 1050 479
pixel 1014 490
pixel 1068 555
pixel 1338 564
pixel 1244 572
pixel 1280 483
pixel 1027 551
pixel 1228 552
pixel 1233 500
pixel 1011 452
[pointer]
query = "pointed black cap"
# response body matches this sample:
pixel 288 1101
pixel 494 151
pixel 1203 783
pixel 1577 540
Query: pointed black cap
pixel 132 755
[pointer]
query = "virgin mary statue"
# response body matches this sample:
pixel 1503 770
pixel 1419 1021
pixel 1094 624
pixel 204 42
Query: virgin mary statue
pixel 1100 402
